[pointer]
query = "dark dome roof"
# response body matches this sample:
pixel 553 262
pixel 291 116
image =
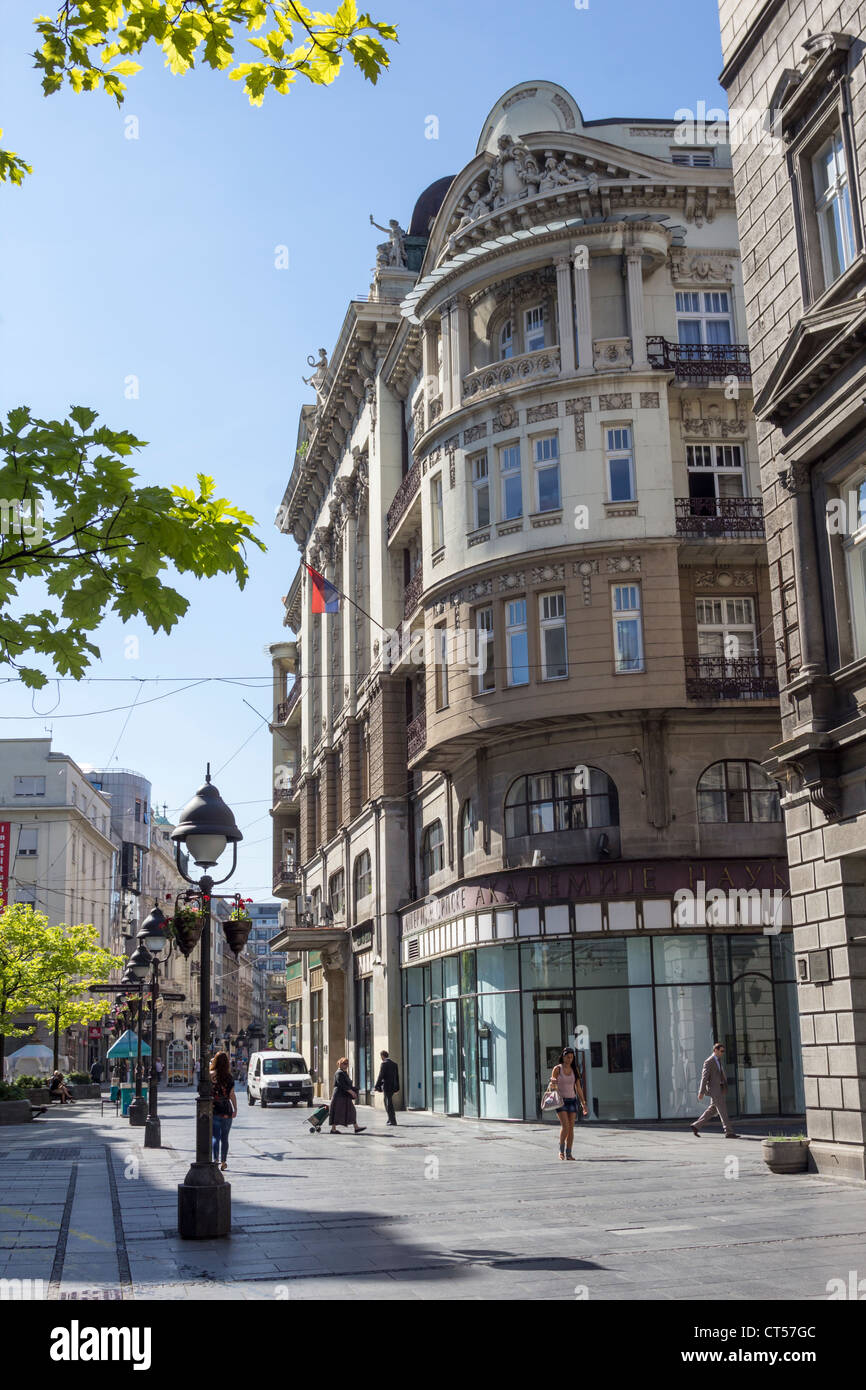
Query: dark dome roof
pixel 428 205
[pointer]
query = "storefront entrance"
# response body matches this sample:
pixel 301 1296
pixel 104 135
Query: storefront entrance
pixel 553 1017
pixel 364 1078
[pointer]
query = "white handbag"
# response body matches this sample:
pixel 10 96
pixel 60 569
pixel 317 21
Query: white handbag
pixel 551 1100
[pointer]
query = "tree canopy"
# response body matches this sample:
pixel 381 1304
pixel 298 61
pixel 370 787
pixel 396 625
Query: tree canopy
pixel 78 518
pixel 92 44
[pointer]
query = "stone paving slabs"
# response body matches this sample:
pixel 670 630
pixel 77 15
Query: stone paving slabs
pixel 438 1209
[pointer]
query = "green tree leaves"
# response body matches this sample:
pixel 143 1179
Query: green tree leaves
pixel 12 167
pixel 99 541
pixel 81 45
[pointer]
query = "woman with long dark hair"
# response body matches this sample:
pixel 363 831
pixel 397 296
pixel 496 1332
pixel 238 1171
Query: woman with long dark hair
pixel 565 1078
pixel 225 1106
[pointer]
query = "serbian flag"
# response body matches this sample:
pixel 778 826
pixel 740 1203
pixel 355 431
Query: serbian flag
pixel 326 599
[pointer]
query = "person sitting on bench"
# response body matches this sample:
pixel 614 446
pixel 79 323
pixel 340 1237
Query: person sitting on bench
pixel 57 1087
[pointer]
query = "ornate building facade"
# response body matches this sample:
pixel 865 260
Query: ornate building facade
pixel 518 799
pixel 794 76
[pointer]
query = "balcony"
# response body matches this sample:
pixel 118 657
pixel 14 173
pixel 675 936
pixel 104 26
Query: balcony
pixel 416 737
pixel 700 361
pixel 285 792
pixel 723 678
pixel 403 497
pixel 712 517
pixel 412 592
pixel 285 707
pixel 511 371
pixel 286 882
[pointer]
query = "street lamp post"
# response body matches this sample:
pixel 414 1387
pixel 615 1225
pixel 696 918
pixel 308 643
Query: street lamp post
pixel 204 1197
pixel 139 964
pixel 154 939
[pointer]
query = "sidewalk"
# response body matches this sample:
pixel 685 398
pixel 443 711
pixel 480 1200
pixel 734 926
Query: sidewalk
pixel 434 1209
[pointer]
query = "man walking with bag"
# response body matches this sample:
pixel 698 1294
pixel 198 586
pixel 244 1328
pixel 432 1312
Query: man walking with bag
pixel 714 1083
pixel 388 1082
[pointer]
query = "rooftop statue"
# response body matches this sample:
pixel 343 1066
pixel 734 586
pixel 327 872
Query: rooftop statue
pixel 391 253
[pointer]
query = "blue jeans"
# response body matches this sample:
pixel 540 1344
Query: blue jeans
pixel 221 1126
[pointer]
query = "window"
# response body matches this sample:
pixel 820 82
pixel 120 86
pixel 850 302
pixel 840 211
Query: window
pixel 854 546
pixel 726 632
pixel 620 463
pixel 27 896
pixel 734 792
pixel 554 654
pixel 506 339
pixel 74 849
pixel 533 328
pixel 695 159
pixel 432 850
pixel 517 642
pixel 316 904
pixel 468 827
pixel 581 798
pixel 511 483
pixel 833 208
pixel 546 456
pixel 29 786
pixel 715 470
pixel 485 650
pixel 362 878
pixel 704 317
pixel 28 838
pixel 480 491
pixel 437 518
pixel 337 893
pixel 627 630
pixel 440 653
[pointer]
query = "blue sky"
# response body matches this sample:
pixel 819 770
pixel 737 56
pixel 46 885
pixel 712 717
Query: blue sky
pixel 155 258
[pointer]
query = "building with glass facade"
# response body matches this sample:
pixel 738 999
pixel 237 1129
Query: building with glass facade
pixel 518 799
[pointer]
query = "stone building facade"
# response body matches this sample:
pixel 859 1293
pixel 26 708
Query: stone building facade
pixel 514 766
pixel 795 81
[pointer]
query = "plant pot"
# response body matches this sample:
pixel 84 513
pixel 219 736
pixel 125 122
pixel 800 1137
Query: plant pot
pixel 15 1112
pixel 187 931
pixel 236 932
pixel 786 1155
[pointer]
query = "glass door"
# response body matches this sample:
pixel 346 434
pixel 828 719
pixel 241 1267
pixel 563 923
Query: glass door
pixel 554 1030
pixel 755 1035
pixel 437 1057
pixel 452 1059
pixel 364 1077
pixel 469 1055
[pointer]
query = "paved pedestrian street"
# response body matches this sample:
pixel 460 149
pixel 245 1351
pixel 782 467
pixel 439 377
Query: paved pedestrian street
pixel 434 1209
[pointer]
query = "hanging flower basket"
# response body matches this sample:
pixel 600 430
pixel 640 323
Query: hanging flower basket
pixel 236 931
pixel 186 928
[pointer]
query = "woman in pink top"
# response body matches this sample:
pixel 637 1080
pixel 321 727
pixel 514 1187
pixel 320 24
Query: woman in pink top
pixel 565 1078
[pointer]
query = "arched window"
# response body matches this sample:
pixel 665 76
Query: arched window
pixel 735 793
pixel 506 339
pixel 468 827
pixel 579 798
pixel 432 850
pixel 362 878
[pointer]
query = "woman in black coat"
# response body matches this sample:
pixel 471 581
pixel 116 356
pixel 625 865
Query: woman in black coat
pixel 343 1110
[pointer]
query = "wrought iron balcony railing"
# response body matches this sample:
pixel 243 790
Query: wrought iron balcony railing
pixel 412 593
pixel 416 736
pixel 700 361
pixel 284 792
pixel 719 516
pixel 403 496
pixel 729 678
pixel 285 707
pixel 286 878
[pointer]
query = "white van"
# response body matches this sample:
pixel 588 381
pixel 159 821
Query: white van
pixel 278 1076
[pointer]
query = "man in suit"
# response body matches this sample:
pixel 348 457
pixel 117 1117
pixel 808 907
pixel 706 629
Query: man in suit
pixel 714 1083
pixel 388 1081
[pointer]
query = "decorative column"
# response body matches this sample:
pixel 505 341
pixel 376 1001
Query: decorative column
pixel 430 368
pixel 445 324
pixel 636 319
pixel 459 348
pixel 583 309
pixel 566 315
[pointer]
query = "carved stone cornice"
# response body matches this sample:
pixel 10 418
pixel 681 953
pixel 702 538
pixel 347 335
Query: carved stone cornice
pixel 691 267
pixel 795 478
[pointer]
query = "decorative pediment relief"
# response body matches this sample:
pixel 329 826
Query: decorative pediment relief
pixel 820 344
pixel 708 420
pixel 690 267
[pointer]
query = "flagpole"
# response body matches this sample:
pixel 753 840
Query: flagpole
pixel 333 586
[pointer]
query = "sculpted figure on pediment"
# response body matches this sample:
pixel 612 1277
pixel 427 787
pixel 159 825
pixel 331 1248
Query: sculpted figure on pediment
pixel 472 207
pixel 556 173
pixel 319 378
pixel 514 172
